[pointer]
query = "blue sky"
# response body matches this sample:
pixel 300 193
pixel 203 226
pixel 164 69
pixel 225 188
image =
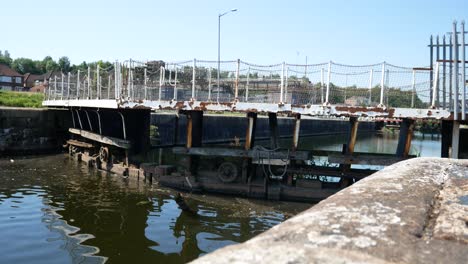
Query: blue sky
pixel 263 32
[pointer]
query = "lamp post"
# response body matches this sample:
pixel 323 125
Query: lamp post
pixel 219 46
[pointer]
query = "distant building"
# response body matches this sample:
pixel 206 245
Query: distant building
pixel 31 80
pixel 10 80
pixel 38 88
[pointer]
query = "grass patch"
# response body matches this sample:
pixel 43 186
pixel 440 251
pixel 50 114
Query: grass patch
pixel 21 99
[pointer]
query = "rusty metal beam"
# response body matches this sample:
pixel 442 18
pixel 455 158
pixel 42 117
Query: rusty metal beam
pixel 405 137
pixel 296 132
pixel 353 121
pixel 121 143
pixel 251 127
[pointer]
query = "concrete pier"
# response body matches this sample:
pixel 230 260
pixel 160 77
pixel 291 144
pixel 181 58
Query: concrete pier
pixel 415 211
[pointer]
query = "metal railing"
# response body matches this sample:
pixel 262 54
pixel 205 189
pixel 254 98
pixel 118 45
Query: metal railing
pixel 382 84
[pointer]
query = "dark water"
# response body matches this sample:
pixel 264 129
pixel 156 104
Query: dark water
pixel 54 210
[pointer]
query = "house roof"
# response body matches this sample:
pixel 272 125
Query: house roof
pixel 28 77
pixel 7 71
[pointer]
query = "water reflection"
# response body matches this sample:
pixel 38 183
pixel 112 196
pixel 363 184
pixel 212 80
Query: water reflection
pixel 53 210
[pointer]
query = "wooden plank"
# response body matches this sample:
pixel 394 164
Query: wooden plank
pixel 79 143
pixel 331 171
pixel 364 160
pixel 230 152
pixel 121 143
pixel 326 153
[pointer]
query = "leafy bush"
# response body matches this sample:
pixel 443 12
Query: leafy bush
pixel 21 99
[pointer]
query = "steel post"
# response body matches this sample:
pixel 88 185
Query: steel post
pixel 371 77
pixel 382 84
pixel 209 84
pixel 463 70
pixel 89 83
pixel 247 85
pixel 435 85
pixel 62 84
pixel 444 72
pixel 78 85
pixel 436 91
pixel 327 95
pixel 413 88
pixel 68 85
pixel 282 83
pixel 455 71
pixel 431 58
pixel 236 91
pixel 194 72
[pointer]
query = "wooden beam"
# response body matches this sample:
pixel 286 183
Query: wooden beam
pixel 121 143
pixel 406 135
pixel 230 152
pixel 274 133
pixel 364 160
pixel 297 128
pixel 79 143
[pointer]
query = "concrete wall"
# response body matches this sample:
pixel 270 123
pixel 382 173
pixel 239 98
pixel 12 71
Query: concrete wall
pixel 32 130
pixel 415 211
pixel 223 128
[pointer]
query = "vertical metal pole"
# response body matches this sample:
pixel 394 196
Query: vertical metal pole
pixel 450 73
pixel 78 85
pixel 455 72
pixel 161 74
pixel 444 72
pixel 129 68
pixel 61 93
pixel 435 85
pixel 145 84
pixel 322 84
pixel 49 83
pixel 327 95
pixel 68 86
pixel 463 69
pixel 116 80
pixel 219 53
pixel 431 58
pixel 413 88
pixel 89 82
pixel 98 83
pixel 209 84
pixel 286 85
pixel 382 84
pixel 108 86
pixel 55 87
pixel 455 139
pixel 371 77
pixel 436 91
pixel 130 73
pixel 282 84
pixel 175 83
pixel 247 85
pixel 194 72
pixel 236 91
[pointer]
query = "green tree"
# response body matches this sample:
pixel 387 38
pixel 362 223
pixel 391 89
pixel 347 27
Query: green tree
pixel 5 58
pixel 64 64
pixel 25 65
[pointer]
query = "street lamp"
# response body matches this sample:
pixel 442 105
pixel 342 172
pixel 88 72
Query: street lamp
pixel 219 45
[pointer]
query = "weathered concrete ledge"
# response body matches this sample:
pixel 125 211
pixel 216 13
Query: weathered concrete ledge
pixel 415 211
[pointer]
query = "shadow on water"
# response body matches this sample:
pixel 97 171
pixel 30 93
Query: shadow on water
pixel 54 210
